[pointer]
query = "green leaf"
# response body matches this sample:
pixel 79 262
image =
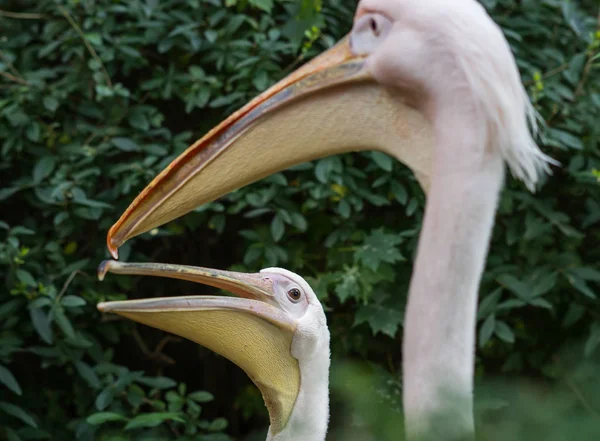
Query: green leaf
pixel 299 221
pixel 33 131
pixel 40 302
pixel 574 313
pixel 94 38
pixel 50 103
pixel 580 285
pixel 43 168
pixel 9 380
pixel 503 332
pixel 138 120
pixel 277 227
pixel 135 395
pixel 251 255
pixel 104 398
pixel 544 284
pixel 380 318
pixel 541 303
pixel 125 144
pixel 522 290
pixel 22 231
pixel 218 425
pixel 153 420
pixel 399 192
pixel 104 417
pixel 349 286
pixel 325 167
pixel 88 374
pixel 344 209
pixel 25 277
pixel 17 412
pixel 265 5
pixel 71 301
pixel 486 330
pixel 63 322
pixel 158 382
pixel 383 161
pixel 379 247
pixel 488 303
pixel 586 273
pixel 41 324
pixel 593 341
pixel 564 139
pixel 11 435
pixel 201 396
pixel 9 308
pixel 225 100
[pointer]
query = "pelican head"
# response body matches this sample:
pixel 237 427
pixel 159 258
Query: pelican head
pixel 275 330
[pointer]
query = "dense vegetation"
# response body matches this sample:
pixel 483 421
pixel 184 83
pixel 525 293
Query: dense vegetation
pixel 97 96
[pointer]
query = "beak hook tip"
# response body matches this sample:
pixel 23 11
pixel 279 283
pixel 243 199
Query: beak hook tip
pixel 114 251
pixel 113 248
pixel 102 270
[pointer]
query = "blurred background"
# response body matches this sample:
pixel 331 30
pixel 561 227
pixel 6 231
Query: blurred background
pixel 98 96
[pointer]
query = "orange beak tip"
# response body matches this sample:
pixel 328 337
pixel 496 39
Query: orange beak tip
pixel 101 306
pixel 111 243
pixel 112 249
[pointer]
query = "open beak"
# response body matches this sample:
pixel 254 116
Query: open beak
pixel 330 105
pixel 252 331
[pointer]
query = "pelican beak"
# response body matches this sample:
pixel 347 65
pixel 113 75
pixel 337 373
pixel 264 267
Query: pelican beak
pixel 252 331
pixel 330 105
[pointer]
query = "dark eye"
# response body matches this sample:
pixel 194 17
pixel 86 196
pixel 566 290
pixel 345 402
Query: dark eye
pixel 294 294
pixel 374 27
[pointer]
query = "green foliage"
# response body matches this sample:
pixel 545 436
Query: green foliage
pixel 96 97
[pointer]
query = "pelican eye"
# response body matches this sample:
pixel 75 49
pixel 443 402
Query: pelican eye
pixel 368 32
pixel 294 294
pixel 374 27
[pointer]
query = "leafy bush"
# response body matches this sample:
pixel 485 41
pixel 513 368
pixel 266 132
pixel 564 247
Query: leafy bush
pixel 98 96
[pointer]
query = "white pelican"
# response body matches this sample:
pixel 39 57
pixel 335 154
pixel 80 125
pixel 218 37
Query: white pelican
pixel 276 332
pixel 432 83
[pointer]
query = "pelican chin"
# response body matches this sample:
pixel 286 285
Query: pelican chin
pixel 275 331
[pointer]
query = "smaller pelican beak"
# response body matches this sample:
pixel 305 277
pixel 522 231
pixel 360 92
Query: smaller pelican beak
pixel 252 331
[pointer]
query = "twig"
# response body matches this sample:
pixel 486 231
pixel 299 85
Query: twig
pixel 581 398
pixel 157 353
pixel 87 44
pixel 161 344
pixel 21 15
pixel 11 66
pixel 14 78
pixel 584 75
pixel 587 67
pixel 549 74
pixel 140 341
pixel 67 283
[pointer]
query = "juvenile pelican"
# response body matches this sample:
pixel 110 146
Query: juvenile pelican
pixel 432 83
pixel 276 332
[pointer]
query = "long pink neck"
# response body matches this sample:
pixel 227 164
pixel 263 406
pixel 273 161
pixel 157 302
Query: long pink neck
pixel 439 329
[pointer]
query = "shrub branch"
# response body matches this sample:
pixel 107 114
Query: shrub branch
pixel 89 47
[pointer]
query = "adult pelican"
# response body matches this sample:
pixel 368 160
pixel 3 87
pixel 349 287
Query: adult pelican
pixel 276 332
pixel 432 83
